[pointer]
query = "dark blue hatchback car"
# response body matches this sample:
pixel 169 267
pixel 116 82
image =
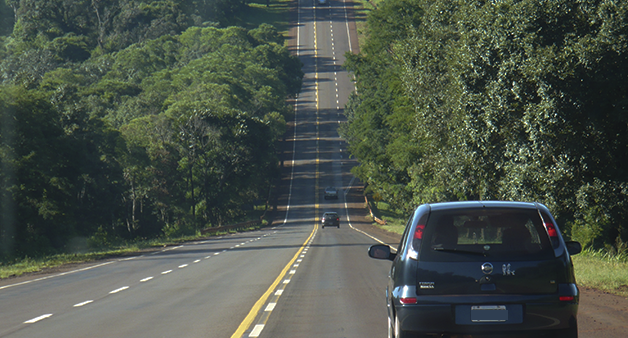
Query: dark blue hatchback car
pixel 481 268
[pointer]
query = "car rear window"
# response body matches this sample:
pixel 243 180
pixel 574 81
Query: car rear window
pixel 472 234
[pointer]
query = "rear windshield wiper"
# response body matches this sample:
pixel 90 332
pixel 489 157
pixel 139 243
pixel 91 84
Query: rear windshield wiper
pixel 438 248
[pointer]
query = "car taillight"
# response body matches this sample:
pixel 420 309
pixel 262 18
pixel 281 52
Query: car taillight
pixel 551 230
pixel 413 251
pixel 407 300
pixel 417 237
pixel 568 292
pixel 418 233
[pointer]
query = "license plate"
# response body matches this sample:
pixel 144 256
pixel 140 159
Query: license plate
pixel 489 313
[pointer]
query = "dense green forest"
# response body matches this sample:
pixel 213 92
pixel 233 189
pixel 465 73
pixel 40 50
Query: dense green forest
pixel 125 119
pixel 505 99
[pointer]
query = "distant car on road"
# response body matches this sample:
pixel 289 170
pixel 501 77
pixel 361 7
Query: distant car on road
pixel 331 192
pixel 330 219
pixel 481 268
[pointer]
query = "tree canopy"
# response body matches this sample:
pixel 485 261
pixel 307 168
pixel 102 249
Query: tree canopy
pixel 512 99
pixel 129 119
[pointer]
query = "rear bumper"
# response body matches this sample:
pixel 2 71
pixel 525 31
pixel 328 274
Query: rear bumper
pixel 525 316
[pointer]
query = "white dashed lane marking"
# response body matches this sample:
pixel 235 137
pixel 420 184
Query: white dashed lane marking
pixel 119 289
pixel 257 330
pixel 36 319
pixel 83 303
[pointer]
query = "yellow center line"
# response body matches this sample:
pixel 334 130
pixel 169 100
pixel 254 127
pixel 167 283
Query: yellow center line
pixel 317 174
pixel 248 320
pixel 246 323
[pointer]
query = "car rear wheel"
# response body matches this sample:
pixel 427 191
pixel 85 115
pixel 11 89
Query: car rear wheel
pixel 571 332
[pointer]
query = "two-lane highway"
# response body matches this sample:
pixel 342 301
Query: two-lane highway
pixel 337 290
pixel 198 289
pixel 291 280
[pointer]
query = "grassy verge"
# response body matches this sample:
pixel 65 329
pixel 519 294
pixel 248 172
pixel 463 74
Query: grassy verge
pixel 395 221
pixel 360 10
pixel 116 248
pixel 599 270
pixel 29 265
pixel 602 271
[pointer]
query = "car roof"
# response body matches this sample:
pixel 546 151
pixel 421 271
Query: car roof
pixel 483 204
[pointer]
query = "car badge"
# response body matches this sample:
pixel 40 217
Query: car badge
pixel 426 285
pixel 487 247
pixel 507 270
pixel 487 268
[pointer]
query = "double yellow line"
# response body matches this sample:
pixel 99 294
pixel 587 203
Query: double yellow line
pixel 248 320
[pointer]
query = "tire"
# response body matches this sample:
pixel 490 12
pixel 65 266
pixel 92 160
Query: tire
pixel 571 332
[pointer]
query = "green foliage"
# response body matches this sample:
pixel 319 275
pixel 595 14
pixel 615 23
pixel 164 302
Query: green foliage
pixel 514 100
pixel 380 118
pixel 108 133
pixel 178 229
pixel 59 172
pixel 100 239
pixel 7 16
pixel 600 217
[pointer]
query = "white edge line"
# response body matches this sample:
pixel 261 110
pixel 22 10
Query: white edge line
pixel 57 275
pixel 349 218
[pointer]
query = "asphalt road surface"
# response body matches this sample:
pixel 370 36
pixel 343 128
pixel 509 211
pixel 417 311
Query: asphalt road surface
pixel 289 280
pixel 292 279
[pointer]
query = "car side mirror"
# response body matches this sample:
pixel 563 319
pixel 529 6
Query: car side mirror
pixel 381 251
pixel 574 247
